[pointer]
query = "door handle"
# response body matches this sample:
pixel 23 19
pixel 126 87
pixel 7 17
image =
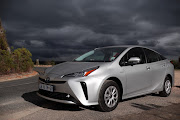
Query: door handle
pixel 148 68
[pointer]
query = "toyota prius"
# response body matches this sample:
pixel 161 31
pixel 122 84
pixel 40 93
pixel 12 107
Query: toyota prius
pixel 104 76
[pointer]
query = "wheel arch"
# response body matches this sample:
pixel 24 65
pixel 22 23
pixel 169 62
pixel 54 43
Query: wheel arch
pixel 119 83
pixel 171 79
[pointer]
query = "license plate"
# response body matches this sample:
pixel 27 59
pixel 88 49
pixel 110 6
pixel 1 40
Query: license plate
pixel 46 87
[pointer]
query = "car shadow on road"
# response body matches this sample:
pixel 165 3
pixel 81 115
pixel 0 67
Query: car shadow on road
pixel 141 106
pixel 132 98
pixel 33 98
pixel 145 107
pixel 177 86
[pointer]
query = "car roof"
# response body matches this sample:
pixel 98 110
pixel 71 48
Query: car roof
pixel 127 46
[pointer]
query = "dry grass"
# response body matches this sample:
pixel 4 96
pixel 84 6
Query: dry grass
pixel 42 65
pixel 177 77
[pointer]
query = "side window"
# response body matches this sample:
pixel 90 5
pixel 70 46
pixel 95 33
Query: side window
pixel 123 61
pixel 151 56
pixel 134 52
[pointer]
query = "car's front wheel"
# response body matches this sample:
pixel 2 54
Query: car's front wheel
pixel 109 96
pixel 167 88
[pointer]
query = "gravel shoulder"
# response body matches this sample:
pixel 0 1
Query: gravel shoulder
pixel 171 112
pixel 177 78
pixel 17 76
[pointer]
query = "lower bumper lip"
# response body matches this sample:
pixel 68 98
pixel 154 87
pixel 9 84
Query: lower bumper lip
pixel 61 101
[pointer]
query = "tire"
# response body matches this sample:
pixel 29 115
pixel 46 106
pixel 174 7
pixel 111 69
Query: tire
pixel 109 96
pixel 166 88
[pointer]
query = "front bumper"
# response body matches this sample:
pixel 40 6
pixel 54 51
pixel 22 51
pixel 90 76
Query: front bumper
pixel 82 90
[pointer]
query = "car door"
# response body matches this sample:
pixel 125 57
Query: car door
pixel 158 67
pixel 138 76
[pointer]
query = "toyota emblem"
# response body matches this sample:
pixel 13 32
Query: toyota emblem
pixel 47 79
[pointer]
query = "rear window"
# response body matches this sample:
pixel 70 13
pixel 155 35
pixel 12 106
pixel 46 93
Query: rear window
pixel 151 56
pixel 162 57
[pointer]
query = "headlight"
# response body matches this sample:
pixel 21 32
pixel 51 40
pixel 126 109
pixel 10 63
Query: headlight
pixel 81 74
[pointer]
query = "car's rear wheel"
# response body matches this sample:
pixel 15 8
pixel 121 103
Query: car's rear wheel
pixel 109 96
pixel 167 88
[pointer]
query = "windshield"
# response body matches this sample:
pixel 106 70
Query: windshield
pixel 101 55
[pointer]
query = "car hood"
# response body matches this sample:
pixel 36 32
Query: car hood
pixel 72 67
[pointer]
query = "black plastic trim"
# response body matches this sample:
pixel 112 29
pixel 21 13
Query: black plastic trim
pixel 84 87
pixel 57 82
pixel 58 96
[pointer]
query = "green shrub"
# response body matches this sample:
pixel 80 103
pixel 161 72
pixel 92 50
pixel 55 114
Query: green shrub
pixel 16 62
pixel 3 43
pixel 22 60
pixel 176 64
pixel 6 62
pixel 49 62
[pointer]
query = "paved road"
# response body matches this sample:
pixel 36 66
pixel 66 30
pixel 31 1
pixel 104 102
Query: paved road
pixel 18 100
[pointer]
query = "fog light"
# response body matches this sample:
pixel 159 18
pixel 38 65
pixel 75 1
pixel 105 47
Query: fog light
pixel 68 96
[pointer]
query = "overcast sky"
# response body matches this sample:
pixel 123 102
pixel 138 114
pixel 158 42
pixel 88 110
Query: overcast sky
pixel 64 29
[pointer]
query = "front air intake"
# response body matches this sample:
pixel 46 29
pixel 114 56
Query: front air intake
pixel 84 87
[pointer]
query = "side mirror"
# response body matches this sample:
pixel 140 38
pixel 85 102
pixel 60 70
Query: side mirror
pixel 134 60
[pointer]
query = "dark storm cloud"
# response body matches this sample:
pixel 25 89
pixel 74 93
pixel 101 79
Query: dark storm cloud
pixel 63 29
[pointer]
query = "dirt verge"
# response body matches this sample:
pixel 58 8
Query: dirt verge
pixel 177 77
pixel 16 76
pixel 42 65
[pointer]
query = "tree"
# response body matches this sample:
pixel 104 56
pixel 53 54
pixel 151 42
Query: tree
pixel 6 62
pixel 3 41
pixel 22 60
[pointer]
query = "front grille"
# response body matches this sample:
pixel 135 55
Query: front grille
pixel 56 82
pixel 57 95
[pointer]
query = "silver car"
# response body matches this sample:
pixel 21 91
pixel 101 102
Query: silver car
pixel 106 75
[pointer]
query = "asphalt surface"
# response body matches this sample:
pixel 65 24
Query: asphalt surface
pixel 18 100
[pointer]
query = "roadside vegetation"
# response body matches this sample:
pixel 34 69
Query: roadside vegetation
pixel 176 63
pixel 45 62
pixel 13 61
pixel 52 62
